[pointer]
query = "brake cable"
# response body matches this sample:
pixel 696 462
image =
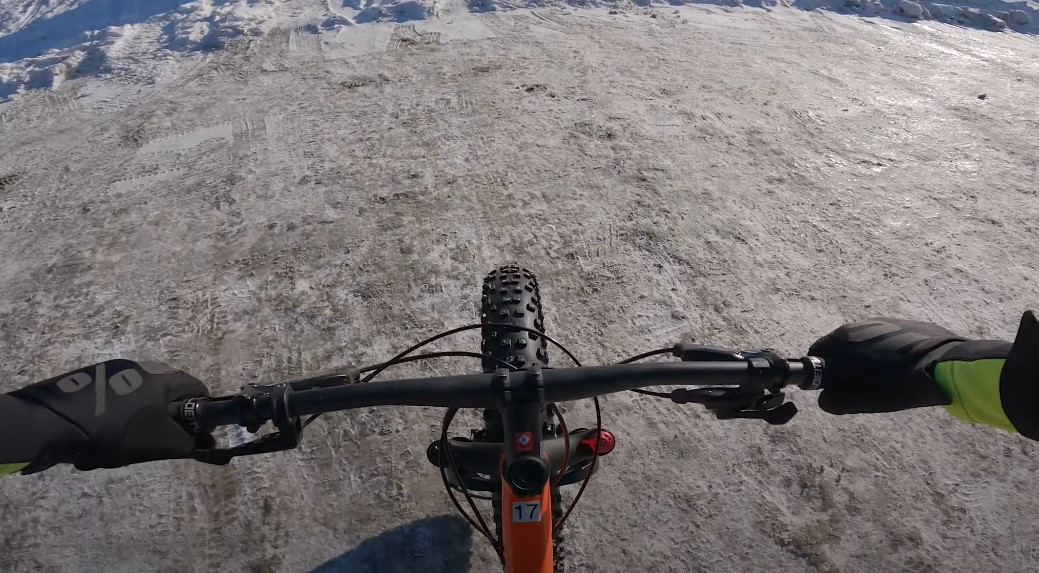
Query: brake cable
pixel 424 356
pixel 446 448
pixel 473 495
pixel 376 369
pixel 591 469
pixel 447 333
pixel 401 360
pixel 481 527
pixel 598 433
pixel 566 445
pixel 643 356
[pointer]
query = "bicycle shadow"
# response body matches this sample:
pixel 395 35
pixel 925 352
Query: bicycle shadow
pixel 441 544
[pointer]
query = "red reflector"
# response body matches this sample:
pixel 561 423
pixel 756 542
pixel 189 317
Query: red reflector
pixel 606 442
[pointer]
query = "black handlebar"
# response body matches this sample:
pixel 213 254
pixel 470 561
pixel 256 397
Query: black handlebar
pixel 754 374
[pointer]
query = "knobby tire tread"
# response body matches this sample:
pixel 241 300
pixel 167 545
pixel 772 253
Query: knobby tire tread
pixel 511 295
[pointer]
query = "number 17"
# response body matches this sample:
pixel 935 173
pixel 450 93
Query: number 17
pixel 526 512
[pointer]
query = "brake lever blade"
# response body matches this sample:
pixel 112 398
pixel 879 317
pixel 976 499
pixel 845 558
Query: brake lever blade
pixel 775 416
pixel 215 456
pixel 343 376
pixel 273 442
pixel 690 352
pixel 781 414
pixel 713 398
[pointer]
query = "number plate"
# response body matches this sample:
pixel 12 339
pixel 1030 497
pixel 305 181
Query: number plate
pixel 526 512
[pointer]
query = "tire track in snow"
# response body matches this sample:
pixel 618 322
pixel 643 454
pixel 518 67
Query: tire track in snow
pixel 288 49
pixel 176 157
pixel 404 35
pixel 292 142
pixel 273 50
pixel 243 141
pixel 305 46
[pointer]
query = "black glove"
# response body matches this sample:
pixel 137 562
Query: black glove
pixel 882 365
pixel 121 411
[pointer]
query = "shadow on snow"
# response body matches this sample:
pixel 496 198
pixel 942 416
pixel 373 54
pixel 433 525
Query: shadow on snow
pixel 441 544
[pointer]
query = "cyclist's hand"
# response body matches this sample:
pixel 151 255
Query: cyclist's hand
pixel 882 365
pixel 122 411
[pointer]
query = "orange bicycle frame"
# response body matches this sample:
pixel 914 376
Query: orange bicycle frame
pixel 526 531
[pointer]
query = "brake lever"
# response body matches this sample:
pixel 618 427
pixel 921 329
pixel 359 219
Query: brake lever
pixel 740 402
pixel 285 438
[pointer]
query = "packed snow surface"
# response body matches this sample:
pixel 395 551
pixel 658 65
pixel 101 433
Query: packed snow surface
pixel 256 191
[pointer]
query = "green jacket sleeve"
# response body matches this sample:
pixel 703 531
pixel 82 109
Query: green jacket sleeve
pixel 11 468
pixel 973 387
pixel 32 435
pixel 993 382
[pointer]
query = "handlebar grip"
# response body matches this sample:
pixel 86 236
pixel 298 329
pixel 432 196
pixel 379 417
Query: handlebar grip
pixel 203 415
pixel 813 370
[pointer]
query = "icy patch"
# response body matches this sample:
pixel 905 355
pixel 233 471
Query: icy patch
pixel 187 140
pixel 128 185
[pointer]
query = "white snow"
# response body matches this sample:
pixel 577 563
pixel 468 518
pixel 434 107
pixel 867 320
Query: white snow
pixel 43 43
pixel 1020 17
pixel 909 9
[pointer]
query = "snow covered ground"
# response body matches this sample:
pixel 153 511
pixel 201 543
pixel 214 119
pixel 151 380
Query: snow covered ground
pixel 319 187
pixel 45 42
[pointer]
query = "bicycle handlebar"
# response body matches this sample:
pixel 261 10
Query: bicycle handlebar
pixel 283 402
